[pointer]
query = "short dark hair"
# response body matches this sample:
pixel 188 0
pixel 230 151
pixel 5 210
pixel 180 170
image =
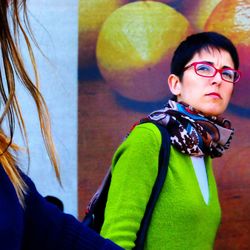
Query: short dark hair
pixel 195 43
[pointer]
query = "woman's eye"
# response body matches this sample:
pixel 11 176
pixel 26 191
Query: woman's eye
pixel 228 74
pixel 204 68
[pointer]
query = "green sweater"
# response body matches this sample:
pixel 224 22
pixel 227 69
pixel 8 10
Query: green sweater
pixel 181 219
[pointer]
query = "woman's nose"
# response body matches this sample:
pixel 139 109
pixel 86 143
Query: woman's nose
pixel 217 79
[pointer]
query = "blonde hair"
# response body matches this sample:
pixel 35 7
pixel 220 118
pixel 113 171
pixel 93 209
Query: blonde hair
pixel 14 69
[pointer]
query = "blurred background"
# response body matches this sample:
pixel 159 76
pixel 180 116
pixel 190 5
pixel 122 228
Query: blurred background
pixel 124 48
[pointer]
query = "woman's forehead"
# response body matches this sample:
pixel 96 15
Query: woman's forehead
pixel 214 54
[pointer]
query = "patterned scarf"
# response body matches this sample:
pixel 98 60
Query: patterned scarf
pixel 193 133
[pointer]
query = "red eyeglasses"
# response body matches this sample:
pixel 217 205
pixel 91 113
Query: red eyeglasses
pixel 207 70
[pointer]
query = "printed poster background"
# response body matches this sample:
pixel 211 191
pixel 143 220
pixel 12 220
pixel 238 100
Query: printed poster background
pixel 115 91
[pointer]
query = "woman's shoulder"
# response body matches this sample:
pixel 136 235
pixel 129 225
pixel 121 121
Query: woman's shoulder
pixel 7 184
pixel 146 132
pixel 144 141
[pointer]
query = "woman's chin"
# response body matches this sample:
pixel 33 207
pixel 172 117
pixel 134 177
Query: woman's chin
pixel 212 111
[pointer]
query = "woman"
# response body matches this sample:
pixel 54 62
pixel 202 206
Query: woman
pixel 27 220
pixel 204 71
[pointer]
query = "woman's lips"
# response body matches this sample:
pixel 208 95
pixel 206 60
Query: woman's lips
pixel 214 94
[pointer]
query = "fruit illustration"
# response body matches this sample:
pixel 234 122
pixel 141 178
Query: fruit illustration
pixel 164 1
pixel 92 14
pixel 198 12
pixel 134 48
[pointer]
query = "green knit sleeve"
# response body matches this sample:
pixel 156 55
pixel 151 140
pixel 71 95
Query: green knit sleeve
pixel 135 166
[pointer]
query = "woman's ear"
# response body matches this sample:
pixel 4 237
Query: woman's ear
pixel 174 84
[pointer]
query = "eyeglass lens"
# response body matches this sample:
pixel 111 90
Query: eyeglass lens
pixel 207 70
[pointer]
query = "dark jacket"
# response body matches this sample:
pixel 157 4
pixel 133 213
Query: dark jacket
pixel 41 225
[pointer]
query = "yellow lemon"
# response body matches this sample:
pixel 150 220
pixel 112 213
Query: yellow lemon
pixel 232 18
pixel 92 14
pixel 135 46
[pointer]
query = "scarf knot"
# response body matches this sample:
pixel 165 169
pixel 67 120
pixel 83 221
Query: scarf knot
pixel 193 133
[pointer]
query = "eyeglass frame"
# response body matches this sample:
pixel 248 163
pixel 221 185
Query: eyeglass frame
pixel 216 71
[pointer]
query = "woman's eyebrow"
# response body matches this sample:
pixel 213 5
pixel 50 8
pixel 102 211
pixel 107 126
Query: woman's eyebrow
pixel 206 62
pixel 224 67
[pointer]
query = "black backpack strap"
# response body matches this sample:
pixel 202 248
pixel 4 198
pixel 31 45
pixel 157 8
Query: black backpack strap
pixel 162 172
pixel 94 216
